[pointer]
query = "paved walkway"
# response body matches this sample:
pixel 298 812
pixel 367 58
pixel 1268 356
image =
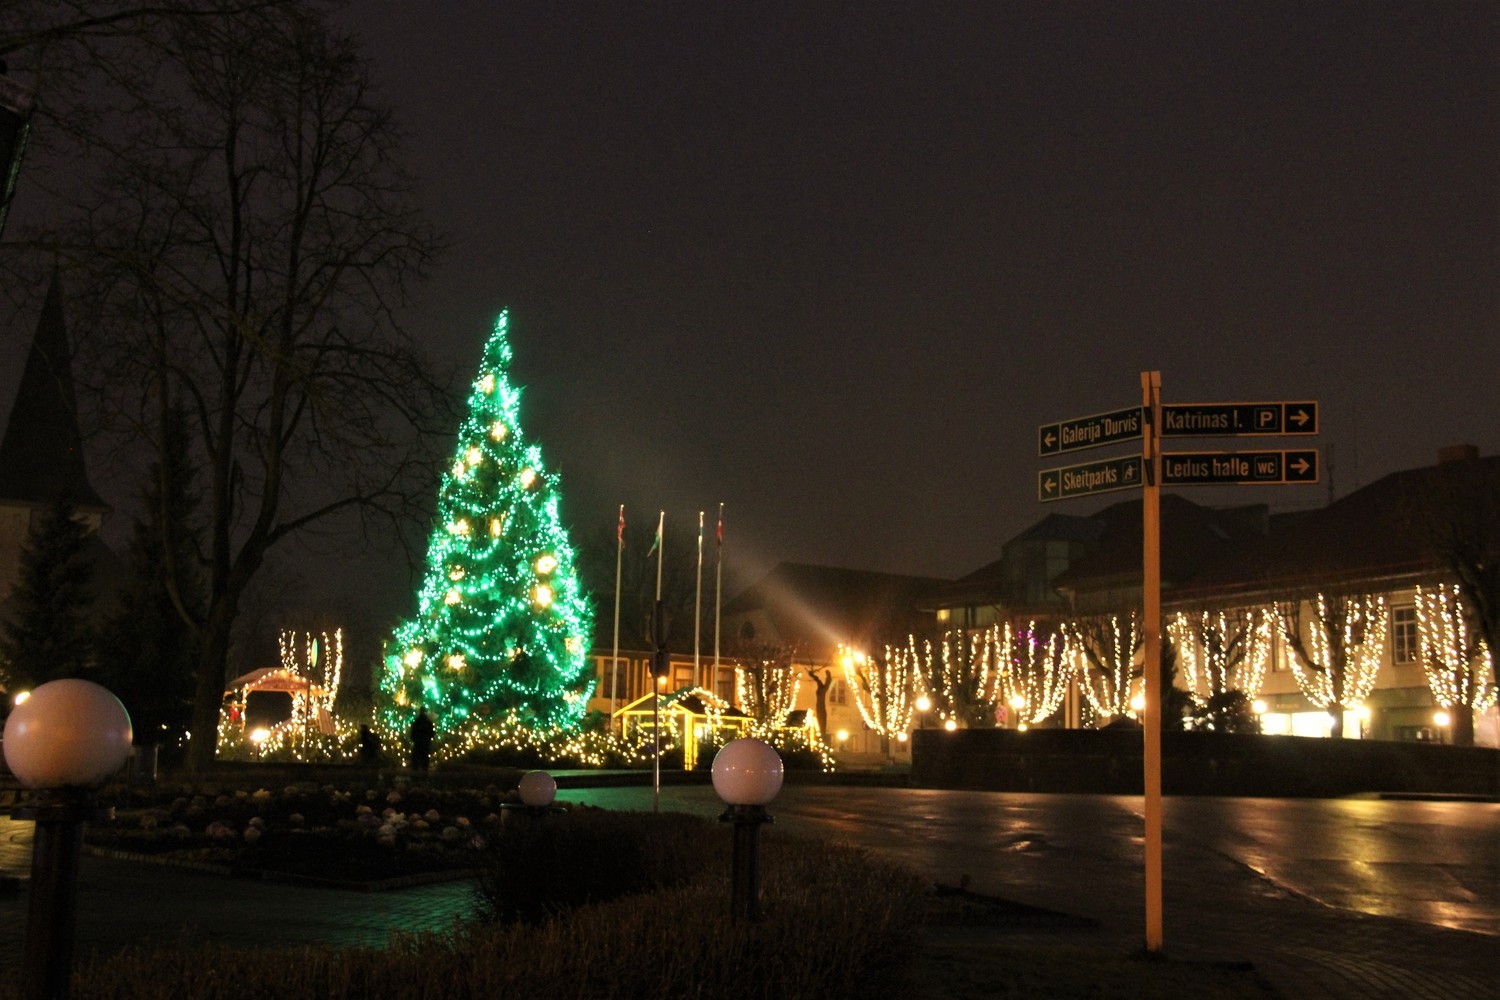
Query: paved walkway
pixel 1303 947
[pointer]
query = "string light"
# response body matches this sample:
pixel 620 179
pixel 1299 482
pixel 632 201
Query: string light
pixel 311 668
pixel 884 688
pixel 1103 659
pixel 1458 671
pixel 1344 649
pixel 1223 651
pixel 766 684
pixel 509 648
pixel 1040 672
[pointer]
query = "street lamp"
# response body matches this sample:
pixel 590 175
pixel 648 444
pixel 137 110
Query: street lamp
pixel 1441 719
pixel 923 704
pixel 747 774
pixel 63 742
pixel 537 790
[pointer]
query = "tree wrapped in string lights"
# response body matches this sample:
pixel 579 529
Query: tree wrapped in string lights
pixel 766 683
pixel 1335 664
pixel 1039 671
pixel 500 635
pixel 885 690
pixel 965 673
pixel 1223 651
pixel 1103 655
pixel 1459 665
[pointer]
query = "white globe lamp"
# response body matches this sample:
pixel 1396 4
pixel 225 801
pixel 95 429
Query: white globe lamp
pixel 64 741
pixel 537 789
pixel 747 772
pixel 69 734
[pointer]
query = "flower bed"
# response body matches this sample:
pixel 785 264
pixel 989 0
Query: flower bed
pixel 314 832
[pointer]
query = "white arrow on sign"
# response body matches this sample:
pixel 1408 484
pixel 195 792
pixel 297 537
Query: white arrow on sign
pixel 1301 465
pixel 1049 484
pixel 1049 439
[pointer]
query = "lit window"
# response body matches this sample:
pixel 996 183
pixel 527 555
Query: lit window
pixel 1404 640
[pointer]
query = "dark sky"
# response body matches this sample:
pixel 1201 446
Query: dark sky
pixel 832 264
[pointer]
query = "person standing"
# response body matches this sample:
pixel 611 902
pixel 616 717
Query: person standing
pixel 421 740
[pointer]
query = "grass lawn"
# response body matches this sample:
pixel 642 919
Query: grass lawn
pixel 971 965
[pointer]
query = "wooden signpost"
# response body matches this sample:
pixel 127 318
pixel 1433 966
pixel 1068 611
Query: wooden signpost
pixel 1152 470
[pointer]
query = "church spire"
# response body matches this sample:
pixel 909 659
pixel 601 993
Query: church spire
pixel 41 456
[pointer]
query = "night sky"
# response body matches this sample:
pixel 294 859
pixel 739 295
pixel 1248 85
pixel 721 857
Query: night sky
pixel 832 264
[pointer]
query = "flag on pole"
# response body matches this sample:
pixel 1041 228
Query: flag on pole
pixel 656 541
pixel 719 532
pixel 620 531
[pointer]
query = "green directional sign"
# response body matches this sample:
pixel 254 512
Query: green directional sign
pixel 1089 477
pixel 1090 432
pixel 1238 419
pixel 1224 468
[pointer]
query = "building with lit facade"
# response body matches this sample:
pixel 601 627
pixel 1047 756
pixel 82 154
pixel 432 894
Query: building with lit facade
pixel 1372 551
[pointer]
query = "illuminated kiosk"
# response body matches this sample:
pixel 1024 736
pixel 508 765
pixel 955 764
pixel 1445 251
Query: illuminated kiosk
pixel 688 716
pixel 309 675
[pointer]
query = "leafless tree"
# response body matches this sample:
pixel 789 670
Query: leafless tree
pixel 766 681
pixel 1339 651
pixel 1104 650
pixel 1456 514
pixel 241 247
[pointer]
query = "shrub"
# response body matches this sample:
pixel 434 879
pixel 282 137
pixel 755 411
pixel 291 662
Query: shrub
pixel 540 865
pixel 837 924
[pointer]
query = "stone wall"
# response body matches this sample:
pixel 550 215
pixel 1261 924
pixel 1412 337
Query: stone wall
pixel 1110 762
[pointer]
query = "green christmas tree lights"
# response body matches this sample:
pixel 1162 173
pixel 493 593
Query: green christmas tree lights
pixel 499 641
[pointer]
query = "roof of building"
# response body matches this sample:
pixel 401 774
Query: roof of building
pixel 41 454
pixel 827 605
pixel 1377 533
pixel 1192 538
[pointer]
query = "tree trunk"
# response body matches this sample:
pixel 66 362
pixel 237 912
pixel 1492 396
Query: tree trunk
pixel 1336 727
pixel 1463 725
pixel 208 694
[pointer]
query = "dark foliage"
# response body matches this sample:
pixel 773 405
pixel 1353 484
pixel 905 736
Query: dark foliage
pixel 47 635
pixel 539 865
pixel 148 653
pixel 1228 712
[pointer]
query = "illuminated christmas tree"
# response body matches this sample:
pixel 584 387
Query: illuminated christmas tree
pixel 499 639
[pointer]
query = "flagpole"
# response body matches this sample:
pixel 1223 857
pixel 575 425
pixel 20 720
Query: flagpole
pixel 718 589
pixel 614 678
pixel 661 522
pixel 697 607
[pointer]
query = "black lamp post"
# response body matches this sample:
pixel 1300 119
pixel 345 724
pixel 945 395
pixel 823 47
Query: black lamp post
pixel 747 774
pixel 63 742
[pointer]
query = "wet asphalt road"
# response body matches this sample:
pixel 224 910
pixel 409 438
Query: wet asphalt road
pixel 1432 862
